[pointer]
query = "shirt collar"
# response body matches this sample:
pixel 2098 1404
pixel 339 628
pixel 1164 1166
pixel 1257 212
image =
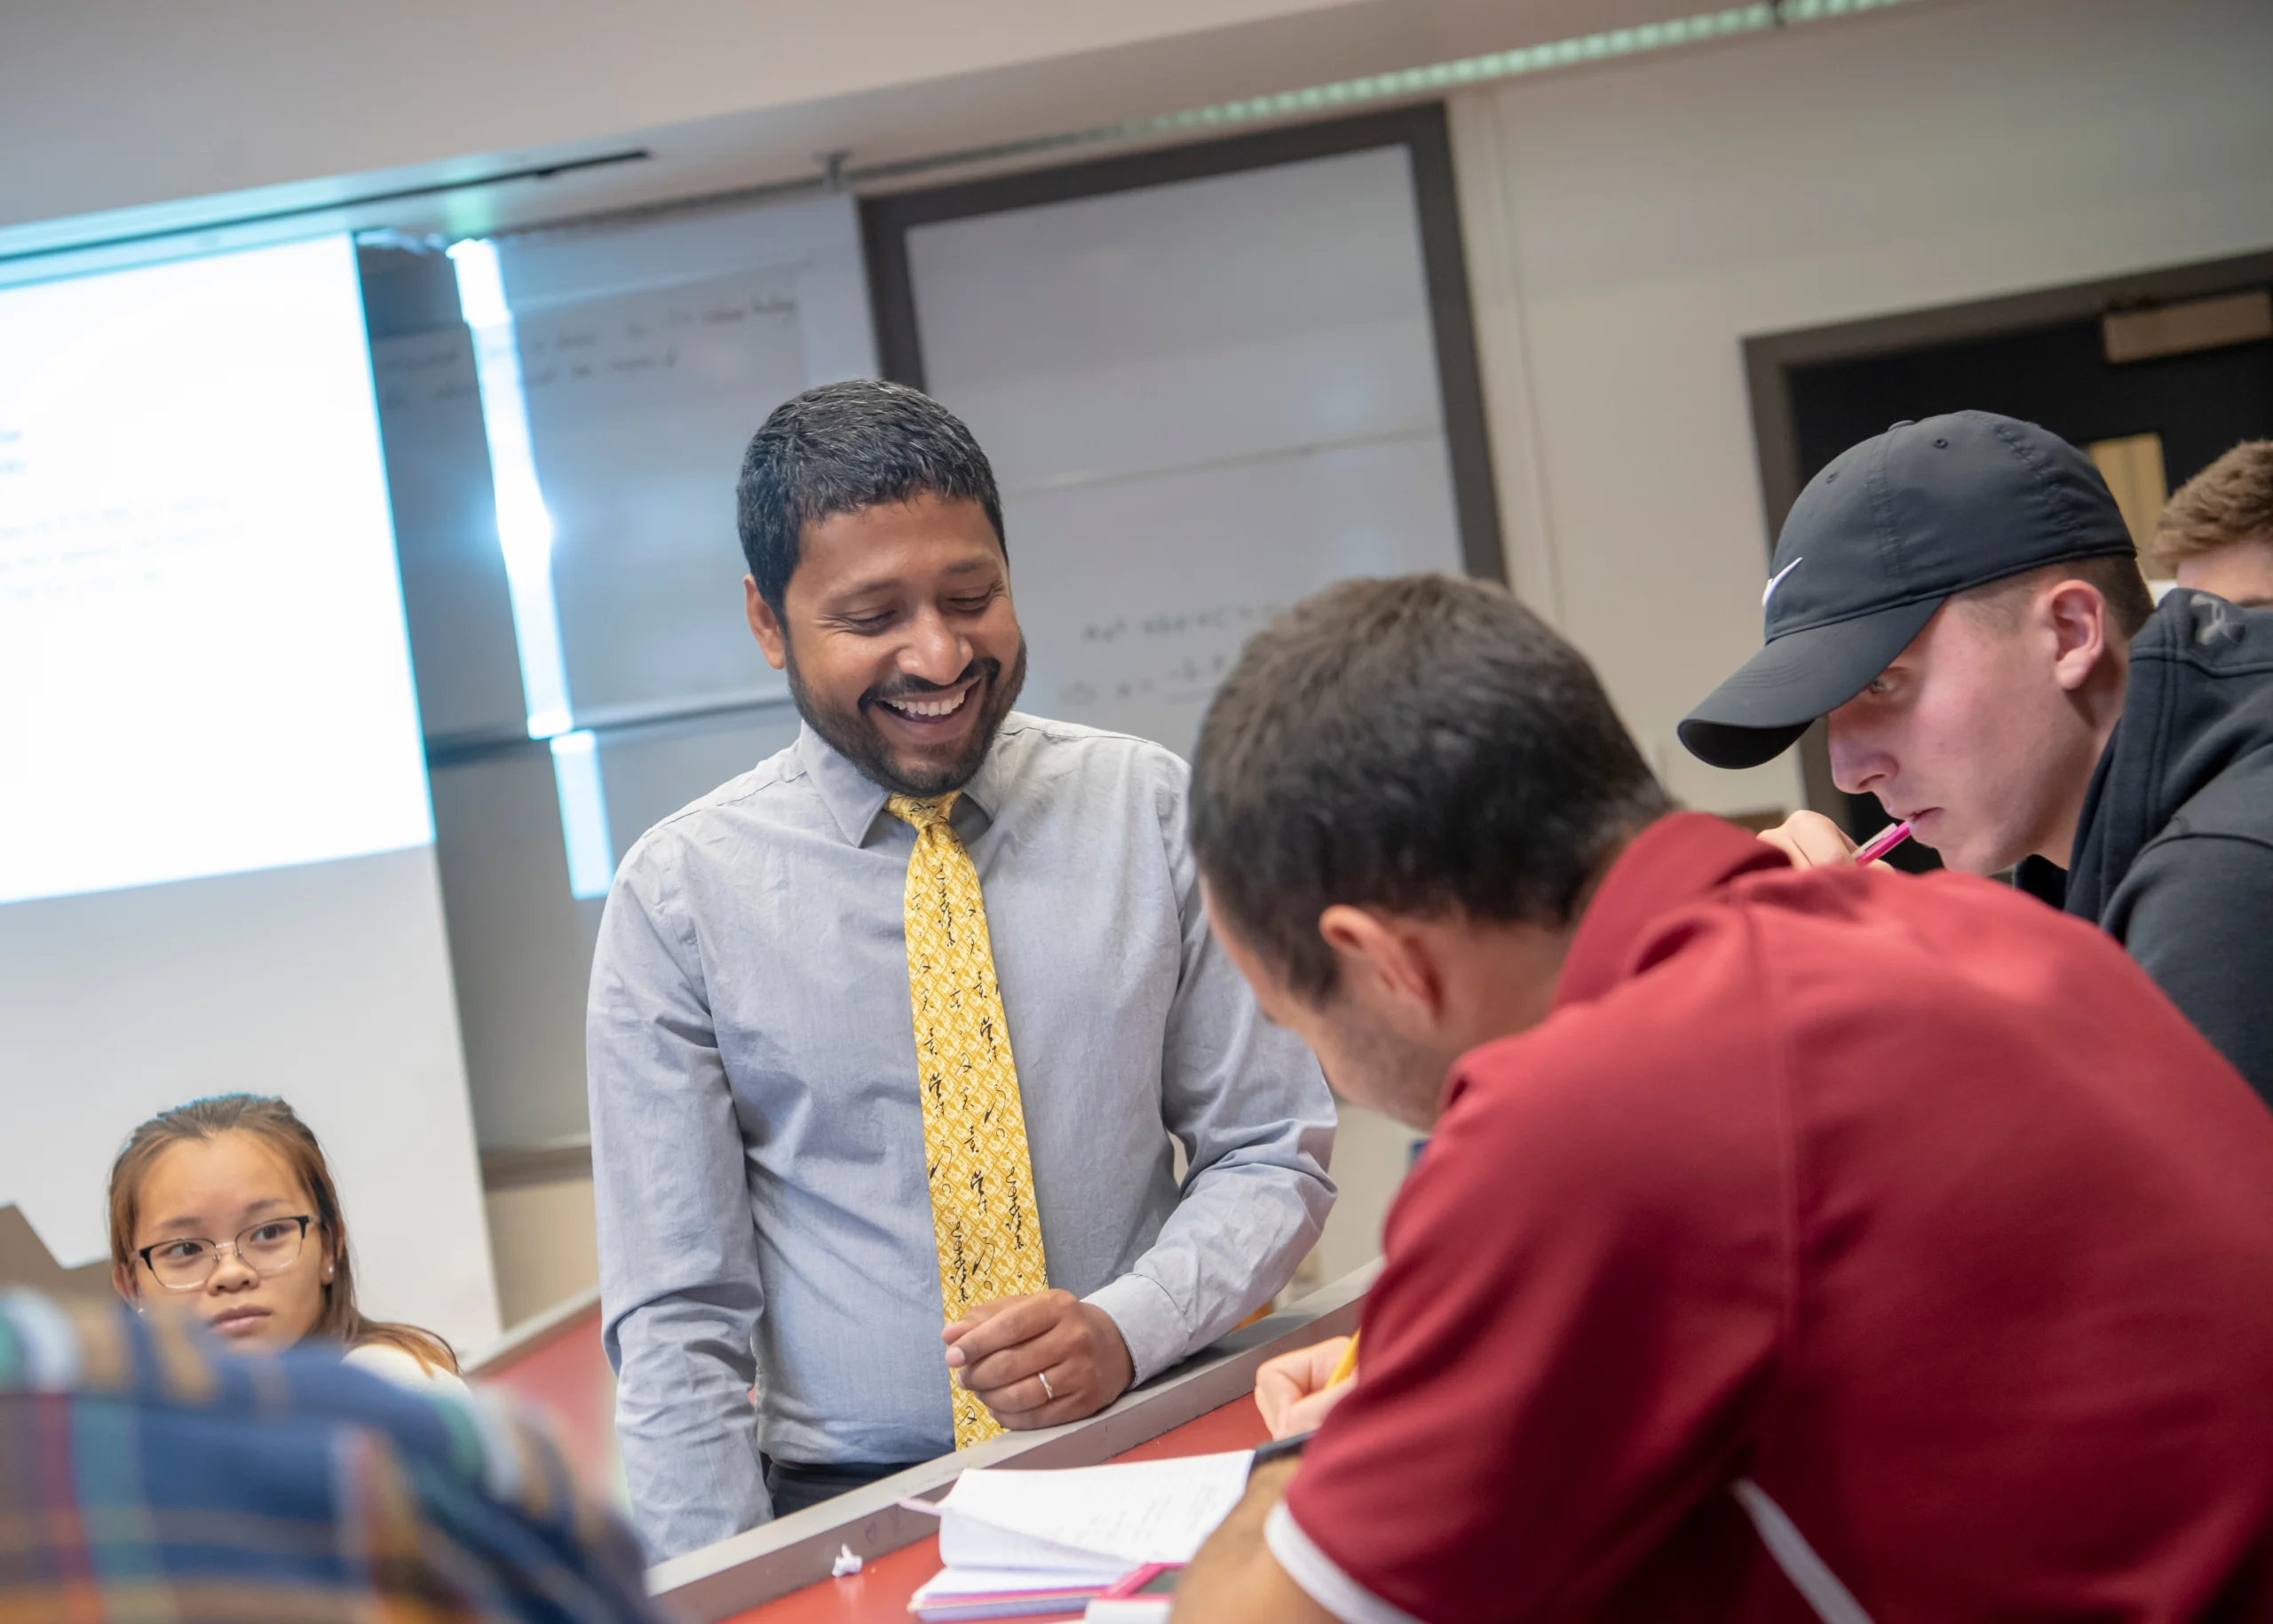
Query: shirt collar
pixel 1677 861
pixel 855 800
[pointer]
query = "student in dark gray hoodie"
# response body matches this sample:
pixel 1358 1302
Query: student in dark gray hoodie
pixel 2174 853
pixel 1961 598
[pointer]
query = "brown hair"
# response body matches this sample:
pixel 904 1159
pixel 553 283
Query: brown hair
pixel 277 1125
pixel 2116 578
pixel 2229 500
pixel 1499 776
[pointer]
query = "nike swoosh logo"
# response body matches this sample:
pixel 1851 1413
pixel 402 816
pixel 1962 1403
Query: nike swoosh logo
pixel 1776 581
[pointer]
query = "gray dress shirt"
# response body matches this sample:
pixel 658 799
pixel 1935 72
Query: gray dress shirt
pixel 757 1140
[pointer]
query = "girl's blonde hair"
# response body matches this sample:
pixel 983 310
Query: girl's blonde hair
pixel 277 1125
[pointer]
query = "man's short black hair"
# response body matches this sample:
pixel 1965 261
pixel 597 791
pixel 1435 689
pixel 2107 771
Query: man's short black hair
pixel 1424 745
pixel 842 447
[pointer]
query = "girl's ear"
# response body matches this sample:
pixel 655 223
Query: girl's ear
pixel 122 1281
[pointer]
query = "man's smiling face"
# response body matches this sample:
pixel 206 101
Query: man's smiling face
pixel 897 634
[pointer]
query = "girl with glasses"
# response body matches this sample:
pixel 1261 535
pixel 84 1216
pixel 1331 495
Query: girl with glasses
pixel 224 1210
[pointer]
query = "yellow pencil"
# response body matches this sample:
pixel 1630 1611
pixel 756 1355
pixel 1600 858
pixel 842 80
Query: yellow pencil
pixel 1348 1365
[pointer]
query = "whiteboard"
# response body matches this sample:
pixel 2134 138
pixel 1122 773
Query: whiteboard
pixel 650 352
pixel 1203 400
pixel 639 405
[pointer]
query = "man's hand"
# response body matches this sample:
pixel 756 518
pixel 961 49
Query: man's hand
pixel 1003 1349
pixel 1235 1580
pixel 1811 841
pixel 1292 1390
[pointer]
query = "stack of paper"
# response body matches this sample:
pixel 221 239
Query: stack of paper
pixel 1023 1543
pixel 959 1593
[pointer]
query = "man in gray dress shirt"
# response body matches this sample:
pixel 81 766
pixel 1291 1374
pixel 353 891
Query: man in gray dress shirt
pixel 759 1141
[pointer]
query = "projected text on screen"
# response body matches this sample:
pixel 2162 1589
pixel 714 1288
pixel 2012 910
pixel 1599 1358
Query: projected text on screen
pixel 203 668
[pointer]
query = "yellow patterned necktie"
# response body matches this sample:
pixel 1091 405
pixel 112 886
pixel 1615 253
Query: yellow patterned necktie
pixel 983 1215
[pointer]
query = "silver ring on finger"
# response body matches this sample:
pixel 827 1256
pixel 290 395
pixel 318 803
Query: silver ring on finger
pixel 1044 1377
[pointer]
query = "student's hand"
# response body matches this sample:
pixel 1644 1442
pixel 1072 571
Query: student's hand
pixel 1811 841
pixel 1292 1390
pixel 1002 1349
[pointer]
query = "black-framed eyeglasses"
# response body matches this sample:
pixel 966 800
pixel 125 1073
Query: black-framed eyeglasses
pixel 186 1262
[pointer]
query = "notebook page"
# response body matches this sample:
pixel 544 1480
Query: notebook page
pixel 1141 1511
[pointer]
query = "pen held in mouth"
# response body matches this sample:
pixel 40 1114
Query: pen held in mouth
pixel 1883 843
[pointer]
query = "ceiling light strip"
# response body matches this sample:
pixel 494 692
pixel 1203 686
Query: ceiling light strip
pixel 1404 84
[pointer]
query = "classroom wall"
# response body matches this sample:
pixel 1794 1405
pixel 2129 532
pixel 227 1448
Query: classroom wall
pixel 544 1246
pixel 1628 227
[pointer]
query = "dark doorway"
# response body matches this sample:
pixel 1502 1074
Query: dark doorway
pixel 2199 404
pixel 2043 357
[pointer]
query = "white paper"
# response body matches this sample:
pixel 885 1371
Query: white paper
pixel 1098 1516
pixel 950 1584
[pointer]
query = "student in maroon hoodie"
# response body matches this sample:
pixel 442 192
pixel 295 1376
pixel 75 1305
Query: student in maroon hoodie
pixel 1883 1245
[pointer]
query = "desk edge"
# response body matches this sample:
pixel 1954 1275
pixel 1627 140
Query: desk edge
pixel 720 1581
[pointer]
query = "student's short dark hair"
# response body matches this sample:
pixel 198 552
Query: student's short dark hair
pixel 842 447
pixel 2115 577
pixel 1424 745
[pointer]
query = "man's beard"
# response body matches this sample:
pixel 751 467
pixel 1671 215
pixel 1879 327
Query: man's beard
pixel 1402 1081
pixel 852 735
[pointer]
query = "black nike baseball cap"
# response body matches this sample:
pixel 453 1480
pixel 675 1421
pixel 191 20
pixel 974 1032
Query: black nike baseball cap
pixel 1874 545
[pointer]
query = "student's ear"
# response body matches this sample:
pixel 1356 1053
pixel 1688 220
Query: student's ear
pixel 1382 965
pixel 765 625
pixel 122 1281
pixel 2076 616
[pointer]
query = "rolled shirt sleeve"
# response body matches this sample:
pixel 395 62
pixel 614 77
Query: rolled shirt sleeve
pixel 679 1288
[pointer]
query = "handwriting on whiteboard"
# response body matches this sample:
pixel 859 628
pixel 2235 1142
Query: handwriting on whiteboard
pixel 1174 657
pixel 579 348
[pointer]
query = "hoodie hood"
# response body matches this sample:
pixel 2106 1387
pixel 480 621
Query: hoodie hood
pixel 2193 747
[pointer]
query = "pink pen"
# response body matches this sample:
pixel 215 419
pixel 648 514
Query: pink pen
pixel 1885 841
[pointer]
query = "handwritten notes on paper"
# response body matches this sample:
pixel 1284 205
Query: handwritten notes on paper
pixel 1091 1517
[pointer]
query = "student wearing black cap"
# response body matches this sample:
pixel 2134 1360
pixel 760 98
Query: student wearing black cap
pixel 1960 598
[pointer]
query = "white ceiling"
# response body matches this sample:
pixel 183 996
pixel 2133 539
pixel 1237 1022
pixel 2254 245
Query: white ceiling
pixel 159 118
